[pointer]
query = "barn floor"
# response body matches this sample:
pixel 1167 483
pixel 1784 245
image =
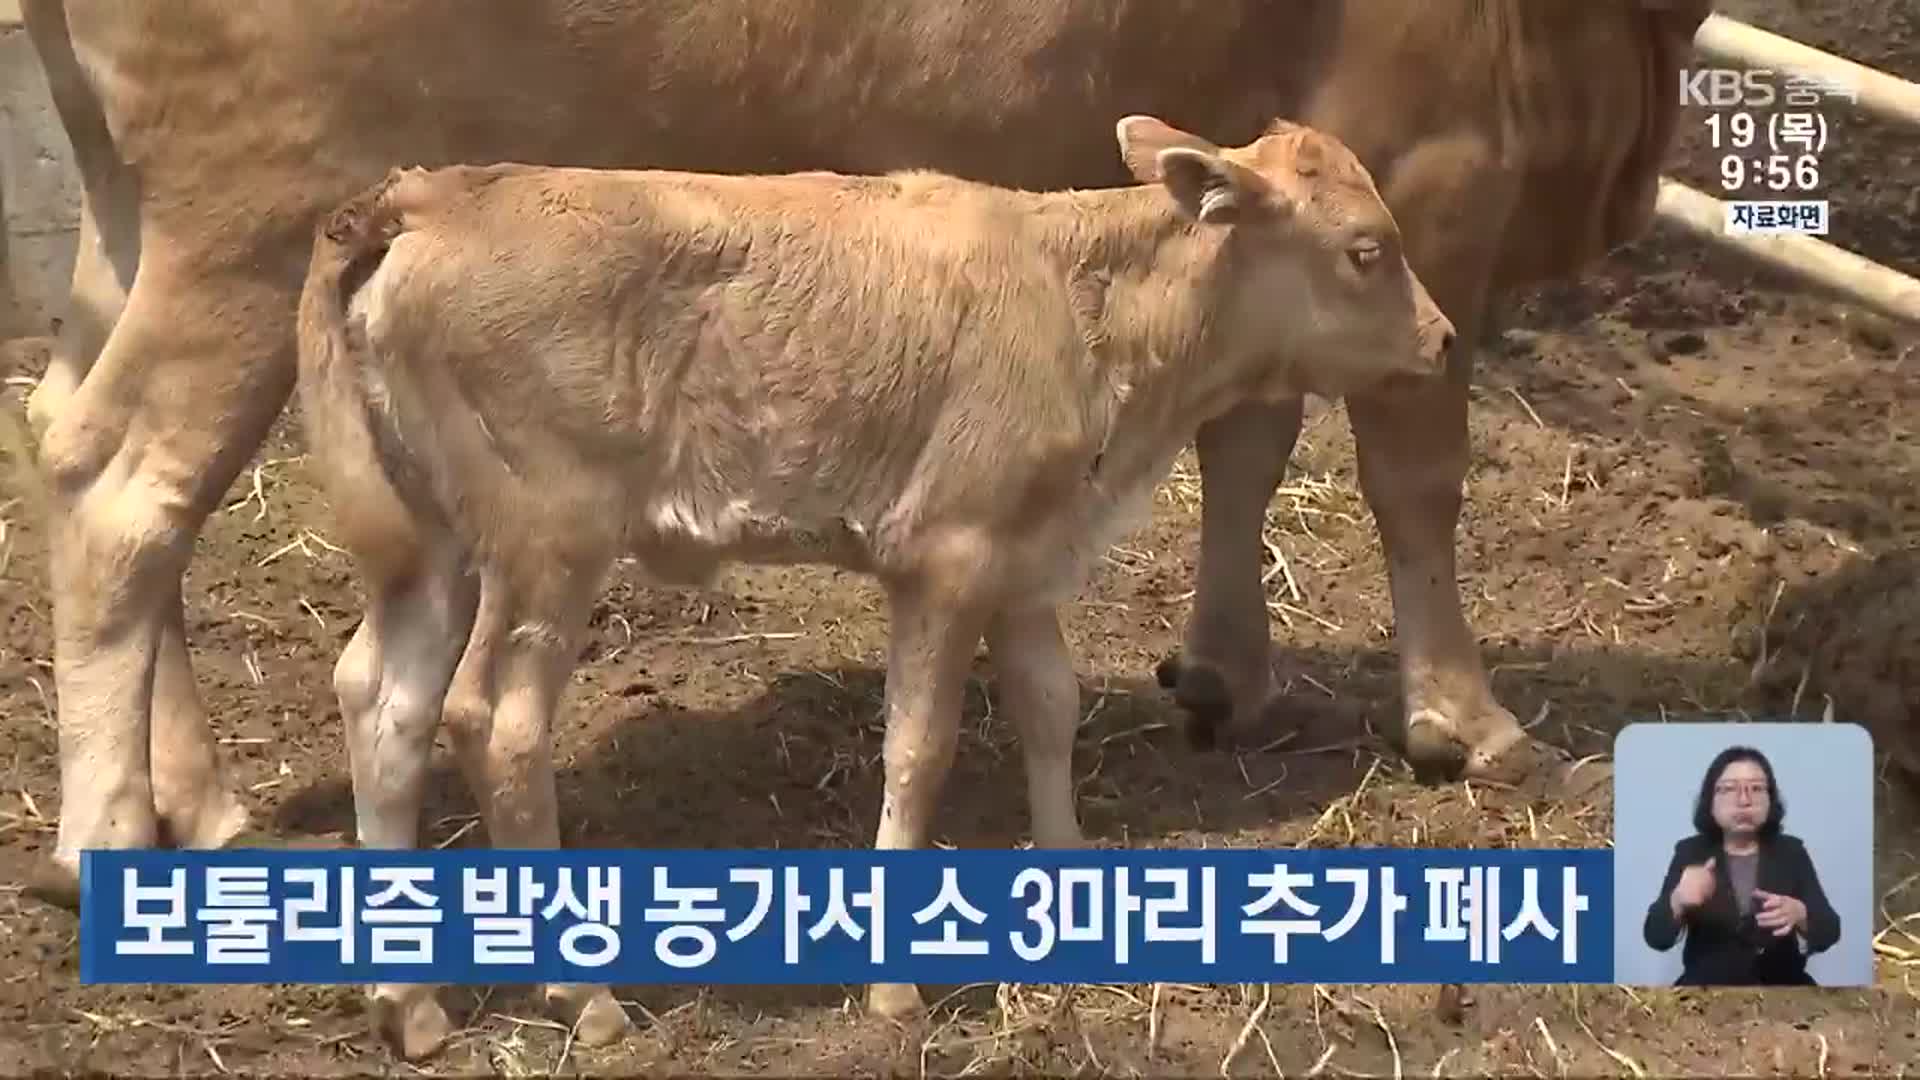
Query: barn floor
pixel 1680 469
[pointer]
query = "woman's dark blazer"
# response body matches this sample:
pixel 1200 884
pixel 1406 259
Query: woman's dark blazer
pixel 1724 949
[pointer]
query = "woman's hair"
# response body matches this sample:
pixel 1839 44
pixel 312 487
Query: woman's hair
pixel 1703 822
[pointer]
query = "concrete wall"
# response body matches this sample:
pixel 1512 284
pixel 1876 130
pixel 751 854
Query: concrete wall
pixel 39 190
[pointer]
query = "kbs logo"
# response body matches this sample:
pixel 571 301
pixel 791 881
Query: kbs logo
pixel 1721 88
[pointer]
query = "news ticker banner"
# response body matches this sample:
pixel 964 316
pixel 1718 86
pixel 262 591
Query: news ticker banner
pixel 1360 915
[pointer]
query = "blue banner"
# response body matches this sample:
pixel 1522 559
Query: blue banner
pixel 1354 915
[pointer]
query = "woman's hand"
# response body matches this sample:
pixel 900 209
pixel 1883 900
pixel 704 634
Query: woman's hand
pixel 1781 914
pixel 1694 888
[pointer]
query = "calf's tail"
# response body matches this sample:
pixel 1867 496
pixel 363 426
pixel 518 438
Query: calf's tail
pixel 342 385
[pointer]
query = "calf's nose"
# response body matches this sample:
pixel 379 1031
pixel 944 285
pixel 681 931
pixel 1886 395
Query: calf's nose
pixel 1436 344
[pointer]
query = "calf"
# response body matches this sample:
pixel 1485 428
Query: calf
pixel 512 375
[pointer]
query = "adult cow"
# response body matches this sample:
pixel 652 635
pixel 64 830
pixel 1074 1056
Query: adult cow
pixel 1513 139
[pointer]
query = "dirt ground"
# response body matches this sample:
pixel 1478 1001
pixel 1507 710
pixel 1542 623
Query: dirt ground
pixel 1691 492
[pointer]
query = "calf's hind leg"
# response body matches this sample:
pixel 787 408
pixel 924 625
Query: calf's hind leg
pixel 391 680
pixel 499 711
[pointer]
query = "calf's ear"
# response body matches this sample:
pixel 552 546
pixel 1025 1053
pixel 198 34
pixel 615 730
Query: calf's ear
pixel 1143 137
pixel 1212 189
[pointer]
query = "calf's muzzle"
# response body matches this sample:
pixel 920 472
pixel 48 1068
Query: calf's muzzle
pixel 1435 337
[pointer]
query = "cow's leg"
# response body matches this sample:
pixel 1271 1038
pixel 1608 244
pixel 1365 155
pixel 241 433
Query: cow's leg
pixel 195 803
pixel 506 690
pixel 104 261
pixel 1223 675
pixel 1039 690
pixel 931 638
pixel 194 796
pixel 391 680
pixel 138 447
pixel 1411 443
pixel 1412 452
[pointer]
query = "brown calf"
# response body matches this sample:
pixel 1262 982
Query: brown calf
pixel 512 375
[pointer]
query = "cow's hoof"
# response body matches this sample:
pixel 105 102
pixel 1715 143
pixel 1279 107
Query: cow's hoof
pixel 1515 759
pixel 52 883
pixel 1541 770
pixel 1200 692
pixel 895 1001
pixel 1167 672
pixel 219 823
pixel 595 1017
pixel 1512 759
pixel 413 1024
pixel 1436 755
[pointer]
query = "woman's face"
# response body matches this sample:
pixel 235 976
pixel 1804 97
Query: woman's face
pixel 1740 802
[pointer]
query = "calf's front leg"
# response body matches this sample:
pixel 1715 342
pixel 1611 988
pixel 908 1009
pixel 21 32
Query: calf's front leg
pixel 930 646
pixel 1038 687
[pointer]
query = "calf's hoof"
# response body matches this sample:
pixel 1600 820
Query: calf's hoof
pixel 895 1001
pixel 413 1024
pixel 595 1017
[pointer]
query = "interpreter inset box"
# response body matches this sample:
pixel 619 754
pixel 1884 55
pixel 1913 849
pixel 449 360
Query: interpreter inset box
pixel 1743 854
